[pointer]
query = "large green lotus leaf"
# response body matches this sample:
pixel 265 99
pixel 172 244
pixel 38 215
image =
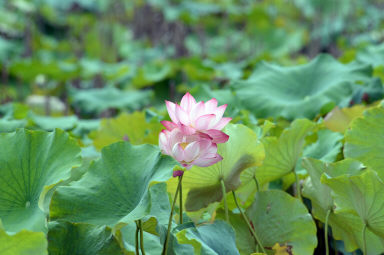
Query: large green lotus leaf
pixel 160 207
pixel 244 240
pixel 362 195
pixel 151 73
pixel 372 55
pixel 23 243
pixel 152 244
pixel 281 218
pixel 132 127
pixel 319 193
pixel 115 188
pixel 345 226
pixel 50 123
pixel 84 127
pixel 299 91
pixel 81 239
pixel 338 120
pixel 326 148
pixel 242 150
pixel 217 238
pixel 98 100
pixel 28 69
pixel 14 111
pixel 282 154
pixel 31 160
pixel 9 125
pixel 155 226
pixel 9 48
pixel 365 140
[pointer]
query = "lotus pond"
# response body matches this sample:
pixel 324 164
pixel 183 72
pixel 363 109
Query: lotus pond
pixel 191 127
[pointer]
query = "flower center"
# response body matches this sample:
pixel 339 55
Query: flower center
pixel 183 145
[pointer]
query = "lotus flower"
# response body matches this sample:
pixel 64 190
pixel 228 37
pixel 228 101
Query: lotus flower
pixel 196 149
pixel 191 117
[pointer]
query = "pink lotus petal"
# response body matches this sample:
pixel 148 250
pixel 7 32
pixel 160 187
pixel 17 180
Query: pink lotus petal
pixel 204 122
pixel 175 136
pixel 187 130
pixel 187 102
pixel 181 115
pixel 197 136
pixel 210 106
pixel 206 145
pixel 165 138
pixel 168 124
pixel 196 111
pixel 163 142
pixel 178 152
pixel 191 151
pixel 211 151
pixel 204 162
pixel 222 123
pixel 171 108
pixel 217 136
pixel 220 111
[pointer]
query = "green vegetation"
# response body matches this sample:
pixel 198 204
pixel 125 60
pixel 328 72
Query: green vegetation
pixel 82 90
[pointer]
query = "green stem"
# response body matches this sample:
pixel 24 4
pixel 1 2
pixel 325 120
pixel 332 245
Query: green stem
pixel 165 247
pixel 141 237
pixel 364 240
pixel 297 185
pixel 257 183
pixel 181 201
pixel 137 239
pixel 225 199
pixel 326 232
pixel 249 224
pixel 257 190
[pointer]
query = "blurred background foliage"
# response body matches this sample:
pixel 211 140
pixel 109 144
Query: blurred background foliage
pixel 101 70
pixel 69 63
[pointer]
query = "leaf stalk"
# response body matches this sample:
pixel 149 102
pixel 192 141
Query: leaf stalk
pixel 137 239
pixel 141 237
pixel 364 240
pixel 326 232
pixel 298 190
pixel 181 200
pixel 165 247
pixel 223 189
pixel 257 239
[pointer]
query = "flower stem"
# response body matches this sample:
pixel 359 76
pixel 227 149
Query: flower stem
pixel 248 224
pixel 181 200
pixel 364 240
pixel 257 183
pixel 326 232
pixel 298 191
pixel 137 239
pixel 165 247
pixel 224 200
pixel 141 237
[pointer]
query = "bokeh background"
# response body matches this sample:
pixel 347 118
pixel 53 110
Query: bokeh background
pixel 95 58
pixel 101 69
